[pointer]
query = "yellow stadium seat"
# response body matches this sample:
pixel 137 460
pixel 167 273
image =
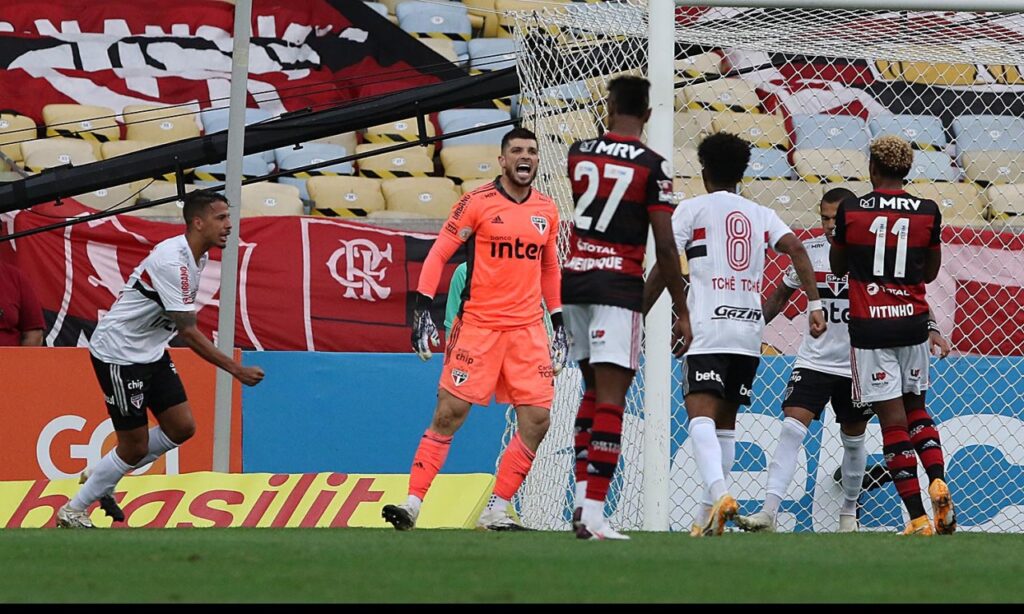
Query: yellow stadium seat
pixel 568 127
pixel 462 162
pixel 401 131
pixel 961 204
pixel 506 22
pixel 927 73
pixel 265 198
pixel 688 188
pixel 860 188
pixel 160 124
pixel 721 95
pixel 994 166
pixel 830 165
pixel 796 202
pixel 760 130
pixel 432 196
pixel 159 190
pixel 1005 206
pixel 14 129
pixel 114 149
pixel 78 121
pixel 685 162
pixel 692 126
pixel 443 47
pixel 56 151
pixel 348 140
pixel 699 65
pixel 472 184
pixel 114 197
pixel 409 162
pixel 343 196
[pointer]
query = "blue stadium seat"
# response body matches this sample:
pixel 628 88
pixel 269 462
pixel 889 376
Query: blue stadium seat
pixel 253 165
pixel 380 7
pixel 933 166
pixel 487 54
pixel 829 132
pixel 768 164
pixel 216 119
pixel 462 119
pixel 437 20
pixel 925 132
pixel 988 132
pixel 311 153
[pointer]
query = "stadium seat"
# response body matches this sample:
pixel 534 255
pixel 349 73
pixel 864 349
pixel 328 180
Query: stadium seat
pixel 688 187
pixel 447 20
pixel 699 65
pixel 77 121
pixel 859 188
pixel 56 151
pixel 113 149
pixel 825 165
pixel 924 132
pixel 311 153
pixel 721 95
pixel 692 126
pixel 961 204
pixel 575 94
pixel 401 131
pixel 568 126
pixel 760 130
pixel 927 73
pixel 216 119
pixel 1006 206
pixel 994 166
pixel 464 119
pixel 158 190
pixel 345 196
pixel 487 54
pixel 348 140
pixel 381 8
pixel 796 202
pixel 408 162
pixel 484 11
pixel 685 162
pixel 820 131
pixel 768 164
pixel 264 198
pixel 432 196
pixel 112 198
pixel 160 124
pixel 209 175
pixel 506 22
pixel 472 184
pixel 463 162
pixel 14 129
pixel 988 132
pixel 933 166
pixel 442 47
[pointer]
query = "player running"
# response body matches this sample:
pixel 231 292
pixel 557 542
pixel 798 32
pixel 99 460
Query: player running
pixel 890 243
pixel 725 237
pixel 498 344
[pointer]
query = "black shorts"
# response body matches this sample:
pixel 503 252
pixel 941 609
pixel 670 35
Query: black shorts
pixel 812 390
pixel 730 376
pixel 129 389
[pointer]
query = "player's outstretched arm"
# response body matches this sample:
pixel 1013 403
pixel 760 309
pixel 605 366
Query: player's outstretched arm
pixel 792 246
pixel 193 338
pixel 776 302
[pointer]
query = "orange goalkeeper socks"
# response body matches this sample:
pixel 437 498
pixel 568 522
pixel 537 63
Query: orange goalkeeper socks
pixel 430 457
pixel 512 470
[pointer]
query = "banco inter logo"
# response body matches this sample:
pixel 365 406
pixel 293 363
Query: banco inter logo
pixel 517 249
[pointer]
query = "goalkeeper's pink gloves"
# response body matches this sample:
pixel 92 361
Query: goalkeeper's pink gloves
pixel 424 331
pixel 559 343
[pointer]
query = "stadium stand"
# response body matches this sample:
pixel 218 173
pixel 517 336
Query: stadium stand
pixel 93 124
pixel 345 196
pixel 429 196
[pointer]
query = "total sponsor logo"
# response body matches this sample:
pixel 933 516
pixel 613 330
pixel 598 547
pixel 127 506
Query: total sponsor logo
pixel 740 314
pixel 874 288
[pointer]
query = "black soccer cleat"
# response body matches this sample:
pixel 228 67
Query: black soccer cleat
pixel 399 516
pixel 110 507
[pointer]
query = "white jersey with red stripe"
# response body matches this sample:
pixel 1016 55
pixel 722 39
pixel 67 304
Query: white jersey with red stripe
pixel 829 353
pixel 724 237
pixel 136 330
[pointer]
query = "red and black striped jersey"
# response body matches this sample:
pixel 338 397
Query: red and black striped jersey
pixel 616 181
pixel 887 235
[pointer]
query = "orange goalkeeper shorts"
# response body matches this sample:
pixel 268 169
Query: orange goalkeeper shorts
pixel 512 365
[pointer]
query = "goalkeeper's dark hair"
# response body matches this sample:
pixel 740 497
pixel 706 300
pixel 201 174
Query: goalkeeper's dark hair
pixel 724 157
pixel 837 195
pixel 517 133
pixel 198 203
pixel 630 95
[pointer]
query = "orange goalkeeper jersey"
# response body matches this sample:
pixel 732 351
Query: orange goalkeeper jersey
pixel 512 249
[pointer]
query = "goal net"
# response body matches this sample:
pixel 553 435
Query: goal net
pixel 809 89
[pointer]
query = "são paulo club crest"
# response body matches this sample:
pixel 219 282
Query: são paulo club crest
pixel 539 222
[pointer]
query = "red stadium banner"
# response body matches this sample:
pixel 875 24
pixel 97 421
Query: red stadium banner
pixel 304 283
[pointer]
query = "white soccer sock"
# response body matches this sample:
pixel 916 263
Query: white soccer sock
pixel 852 469
pixel 159 444
pixel 708 453
pixel 497 503
pixel 103 478
pixel 727 441
pixel 581 493
pixel 783 464
pixel 414 502
pixel 593 513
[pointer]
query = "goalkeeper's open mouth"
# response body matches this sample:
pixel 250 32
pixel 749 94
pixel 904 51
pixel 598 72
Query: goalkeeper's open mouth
pixel 524 171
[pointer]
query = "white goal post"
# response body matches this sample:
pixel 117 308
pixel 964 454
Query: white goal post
pixel 809 83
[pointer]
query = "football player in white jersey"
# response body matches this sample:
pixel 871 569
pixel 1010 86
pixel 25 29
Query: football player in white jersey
pixel 821 375
pixel 129 353
pixel 725 237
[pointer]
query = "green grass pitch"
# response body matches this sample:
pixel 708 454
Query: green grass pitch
pixel 367 565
